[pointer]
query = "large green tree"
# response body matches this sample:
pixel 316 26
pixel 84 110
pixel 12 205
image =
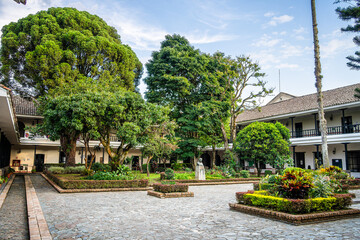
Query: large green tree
pixel 181 77
pixel 63 45
pixel 352 12
pixel 262 143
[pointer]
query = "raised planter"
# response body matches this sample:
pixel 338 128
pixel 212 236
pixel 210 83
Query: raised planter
pixel 299 219
pixel 170 190
pixel 74 186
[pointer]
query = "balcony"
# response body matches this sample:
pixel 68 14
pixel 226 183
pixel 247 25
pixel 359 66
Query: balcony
pixel 355 128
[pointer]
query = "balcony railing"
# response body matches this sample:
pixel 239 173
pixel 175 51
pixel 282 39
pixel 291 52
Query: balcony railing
pixel 355 128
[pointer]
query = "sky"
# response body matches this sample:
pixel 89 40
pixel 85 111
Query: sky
pixel 277 34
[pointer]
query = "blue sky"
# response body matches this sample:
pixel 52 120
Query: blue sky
pixel 277 33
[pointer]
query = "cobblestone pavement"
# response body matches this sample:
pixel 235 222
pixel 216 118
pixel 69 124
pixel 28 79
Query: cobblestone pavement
pixel 135 215
pixel 13 214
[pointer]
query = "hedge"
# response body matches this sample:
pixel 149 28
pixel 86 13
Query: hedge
pixel 296 206
pixel 93 184
pixel 351 182
pixel 216 180
pixel 264 186
pixel 169 188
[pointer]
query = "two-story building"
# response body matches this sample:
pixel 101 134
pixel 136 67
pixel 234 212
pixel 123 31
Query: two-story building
pixel 300 116
pixel 35 151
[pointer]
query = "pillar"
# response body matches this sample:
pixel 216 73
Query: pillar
pixel 346 156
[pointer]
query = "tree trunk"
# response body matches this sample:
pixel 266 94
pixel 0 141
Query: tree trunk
pixel 322 120
pixel 148 166
pixel 68 144
pixel 213 158
pixel 233 128
pixel 225 139
pixel 257 165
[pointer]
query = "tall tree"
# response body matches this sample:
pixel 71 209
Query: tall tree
pixel 62 45
pixel 318 85
pixel 243 86
pixel 179 76
pixel 351 12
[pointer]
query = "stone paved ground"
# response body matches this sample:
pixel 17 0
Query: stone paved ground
pixel 134 215
pixel 13 214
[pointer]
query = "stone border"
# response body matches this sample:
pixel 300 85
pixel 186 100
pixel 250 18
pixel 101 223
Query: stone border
pixel 61 190
pixel 353 187
pixel 299 219
pixel 38 228
pixel 170 195
pixel 6 189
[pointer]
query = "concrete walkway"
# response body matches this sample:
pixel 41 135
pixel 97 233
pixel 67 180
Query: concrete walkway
pixel 13 214
pixel 135 215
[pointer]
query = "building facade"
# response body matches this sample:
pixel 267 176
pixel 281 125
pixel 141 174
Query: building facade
pixel 300 116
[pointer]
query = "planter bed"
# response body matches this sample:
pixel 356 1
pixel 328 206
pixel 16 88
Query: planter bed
pixel 299 219
pixel 170 190
pixel 193 182
pixel 71 186
pixel 295 211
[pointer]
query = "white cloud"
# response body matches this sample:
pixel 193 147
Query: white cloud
pixel 279 20
pixel 199 38
pixel 299 30
pixel 266 41
pixel 335 46
pixel 287 65
pixel 269 14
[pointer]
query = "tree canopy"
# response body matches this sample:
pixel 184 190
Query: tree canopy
pixel 263 142
pixel 63 45
pixel 349 13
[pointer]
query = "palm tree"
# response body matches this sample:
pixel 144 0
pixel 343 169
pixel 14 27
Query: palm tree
pixel 318 77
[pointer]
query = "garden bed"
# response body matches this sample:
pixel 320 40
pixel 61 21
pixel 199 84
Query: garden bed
pixel 175 190
pixel 71 186
pixel 299 219
pixel 194 182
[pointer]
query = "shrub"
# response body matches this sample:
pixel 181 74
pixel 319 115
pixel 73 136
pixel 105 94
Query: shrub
pixel 268 172
pixel 169 188
pixel 109 176
pixel 183 176
pixel 351 182
pixel 188 169
pixel 169 174
pixel 87 172
pixel 177 166
pixel 322 187
pixel 56 170
pixel 100 167
pixel 295 183
pixel 297 206
pixel 74 170
pixel 244 174
pixel 273 179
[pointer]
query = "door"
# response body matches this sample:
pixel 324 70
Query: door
pixel 135 165
pixel 347 124
pixel 300 160
pixel 337 163
pixel 298 129
pixel 39 162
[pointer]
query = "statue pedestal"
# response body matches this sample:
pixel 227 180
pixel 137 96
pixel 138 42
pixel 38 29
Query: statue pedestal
pixel 200 173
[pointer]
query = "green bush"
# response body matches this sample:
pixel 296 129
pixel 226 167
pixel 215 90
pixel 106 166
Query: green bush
pixel 295 183
pixel 169 188
pixel 177 166
pixel 188 169
pixel 182 176
pixel 169 174
pixel 297 206
pixel 109 176
pixel 268 172
pixel 56 170
pixel 323 187
pixel 100 167
pixel 74 170
pixel 244 174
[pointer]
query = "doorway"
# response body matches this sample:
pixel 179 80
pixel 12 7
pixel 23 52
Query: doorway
pixel 298 130
pixel 300 159
pixel 39 162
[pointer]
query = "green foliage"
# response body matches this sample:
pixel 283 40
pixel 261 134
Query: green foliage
pixel 244 174
pixel 100 167
pixel 322 187
pixel 185 176
pixel 188 170
pixel 56 170
pixel 267 172
pixel 177 166
pixel 262 142
pixel 169 174
pixel 74 170
pixel 46 50
pixel 295 183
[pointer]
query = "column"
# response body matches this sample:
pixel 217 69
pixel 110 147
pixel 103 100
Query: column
pixel 292 127
pixel 294 156
pixel 346 156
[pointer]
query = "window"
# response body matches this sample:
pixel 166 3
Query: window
pixel 21 129
pixel 353 158
pixel 62 157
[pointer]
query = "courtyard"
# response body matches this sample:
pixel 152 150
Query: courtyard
pixel 135 215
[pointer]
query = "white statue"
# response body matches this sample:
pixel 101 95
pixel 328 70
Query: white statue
pixel 200 170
